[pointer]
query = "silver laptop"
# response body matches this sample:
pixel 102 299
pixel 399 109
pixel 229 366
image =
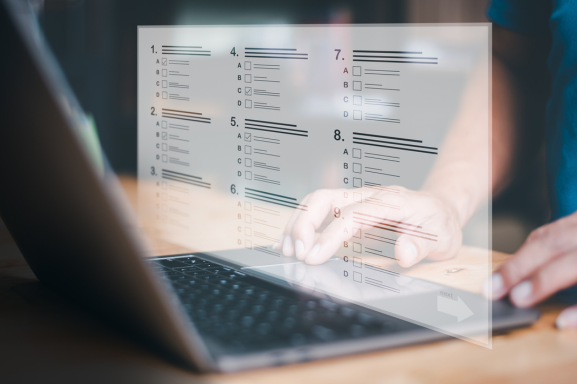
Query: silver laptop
pixel 202 310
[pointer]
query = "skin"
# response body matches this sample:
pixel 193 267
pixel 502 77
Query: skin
pixel 545 263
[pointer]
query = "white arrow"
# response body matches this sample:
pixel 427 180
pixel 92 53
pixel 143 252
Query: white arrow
pixel 455 308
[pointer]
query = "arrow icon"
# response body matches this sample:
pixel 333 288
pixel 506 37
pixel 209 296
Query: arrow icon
pixel 452 307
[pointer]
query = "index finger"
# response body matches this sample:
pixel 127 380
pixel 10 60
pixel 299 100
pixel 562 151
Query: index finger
pixel 541 247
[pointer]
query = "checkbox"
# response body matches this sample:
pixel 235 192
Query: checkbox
pixel 164 73
pixel 248 78
pixel 247 206
pixel 356 71
pixel 164 124
pixel 247 136
pixel 164 135
pixel 164 185
pixel 164 196
pixel 164 147
pixel 357 100
pixel 357 85
pixel 248 231
pixel 357 168
pixel 357 182
pixel 358 197
pixel 164 84
pixel 248 219
pixel 164 208
pixel 248 175
pixel 247 65
pixel 248 244
pixel 357 247
pixel 165 95
pixel 248 103
pixel 248 162
pixel 164 61
pixel 357 233
pixel 357 262
pixel 165 158
pixel 248 91
pixel 357 115
pixel 357 153
pixel 248 150
pixel 358 277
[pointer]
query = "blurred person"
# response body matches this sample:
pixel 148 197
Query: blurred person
pixel 527 36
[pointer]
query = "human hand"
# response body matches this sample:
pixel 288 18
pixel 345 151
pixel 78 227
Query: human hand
pixel 545 264
pixel 427 224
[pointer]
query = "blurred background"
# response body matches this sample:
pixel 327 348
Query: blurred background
pixel 95 43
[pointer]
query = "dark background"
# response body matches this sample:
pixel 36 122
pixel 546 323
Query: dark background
pixel 95 42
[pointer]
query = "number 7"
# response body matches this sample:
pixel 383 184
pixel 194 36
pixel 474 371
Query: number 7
pixel 338 53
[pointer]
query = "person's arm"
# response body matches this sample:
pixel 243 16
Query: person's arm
pixel 456 186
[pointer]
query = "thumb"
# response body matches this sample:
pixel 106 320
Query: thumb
pixel 409 250
pixel 568 318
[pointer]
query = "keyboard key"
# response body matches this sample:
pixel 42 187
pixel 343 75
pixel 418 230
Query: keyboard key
pixel 257 309
pixel 323 333
pixel 170 263
pixel 218 307
pixel 331 306
pixel 171 273
pixel 347 312
pixel 232 314
pixel 190 260
pixel 272 316
pixel 365 319
pixel 247 321
pixel 298 339
pixel 263 328
pixel 357 330
pixel 309 316
pixel 289 322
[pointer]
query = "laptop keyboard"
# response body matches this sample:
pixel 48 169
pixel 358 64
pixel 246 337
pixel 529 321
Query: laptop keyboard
pixel 238 313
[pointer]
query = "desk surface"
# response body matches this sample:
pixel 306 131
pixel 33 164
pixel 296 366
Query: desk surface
pixel 43 337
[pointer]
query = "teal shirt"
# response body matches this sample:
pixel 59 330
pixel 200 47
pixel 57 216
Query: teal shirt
pixel 559 20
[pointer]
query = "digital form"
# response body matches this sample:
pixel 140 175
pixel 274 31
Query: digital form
pixel 248 135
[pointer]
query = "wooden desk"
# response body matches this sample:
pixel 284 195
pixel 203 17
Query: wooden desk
pixel 43 337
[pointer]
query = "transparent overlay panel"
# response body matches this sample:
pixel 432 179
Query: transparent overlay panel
pixel 355 148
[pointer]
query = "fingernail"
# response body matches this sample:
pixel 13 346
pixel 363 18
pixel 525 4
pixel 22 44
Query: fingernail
pixel 313 252
pixel 567 319
pixel 278 243
pixel 493 286
pixel 522 292
pixel 411 254
pixel 300 250
pixel 287 246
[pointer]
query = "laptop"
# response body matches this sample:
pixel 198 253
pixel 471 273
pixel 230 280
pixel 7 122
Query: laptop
pixel 68 216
